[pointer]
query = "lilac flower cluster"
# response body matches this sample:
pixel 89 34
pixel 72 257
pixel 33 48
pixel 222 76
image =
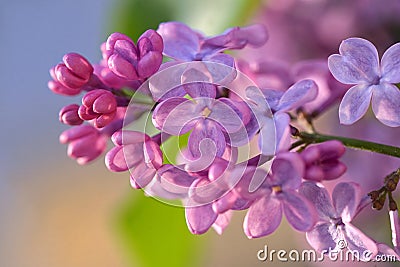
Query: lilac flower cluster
pixel 250 146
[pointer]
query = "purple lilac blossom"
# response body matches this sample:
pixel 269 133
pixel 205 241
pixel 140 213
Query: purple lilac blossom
pixel 280 76
pixel 334 227
pixel 184 44
pixel 208 118
pixel 136 152
pixel 280 196
pixel 358 64
pixel 274 128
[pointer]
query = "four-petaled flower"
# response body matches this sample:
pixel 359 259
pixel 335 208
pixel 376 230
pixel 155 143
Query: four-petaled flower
pixel 334 230
pixel 358 63
pixel 280 195
pixel 270 108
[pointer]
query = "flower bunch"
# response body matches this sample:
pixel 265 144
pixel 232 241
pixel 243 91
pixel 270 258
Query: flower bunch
pixel 246 146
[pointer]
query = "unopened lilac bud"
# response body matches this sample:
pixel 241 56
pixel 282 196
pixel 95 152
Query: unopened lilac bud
pixel 133 62
pixel 60 89
pixel 75 72
pixel 98 105
pixel 69 115
pixel 322 161
pixel 55 86
pixel 85 143
pixel 155 40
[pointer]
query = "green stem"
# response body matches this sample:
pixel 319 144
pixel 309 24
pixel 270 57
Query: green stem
pixel 350 142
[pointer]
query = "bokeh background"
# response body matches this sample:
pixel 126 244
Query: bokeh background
pixel 54 212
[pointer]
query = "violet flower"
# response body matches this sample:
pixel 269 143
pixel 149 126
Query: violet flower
pixel 280 196
pixel 358 63
pixel 212 119
pixel 322 161
pixel 274 128
pixel 276 75
pixel 334 230
pixel 184 44
pixel 136 152
pixel 134 62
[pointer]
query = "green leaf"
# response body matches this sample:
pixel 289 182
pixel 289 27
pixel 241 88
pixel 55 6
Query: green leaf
pixel 155 234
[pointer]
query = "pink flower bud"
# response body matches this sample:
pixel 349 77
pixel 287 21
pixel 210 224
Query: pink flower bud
pixel 58 88
pixel 133 62
pixel 86 143
pixel 322 161
pixel 98 105
pixel 55 86
pixel 75 72
pixel 69 115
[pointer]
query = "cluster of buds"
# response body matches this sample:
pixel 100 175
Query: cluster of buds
pixel 108 86
pixel 378 197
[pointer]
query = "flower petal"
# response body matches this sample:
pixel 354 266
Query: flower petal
pixel 357 241
pixel 355 103
pixel 180 41
pixel 283 135
pixel 297 95
pixel 199 219
pixel 141 175
pixel 263 217
pixel 175 116
pixel 386 104
pixel 287 170
pixel 197 83
pixel 345 198
pixel 267 137
pixel 236 38
pixel 390 64
pixel 385 250
pixel 222 222
pixel 227 115
pixel 319 196
pixel 175 180
pixel 358 62
pixel 298 210
pixel 320 237
pixel 206 129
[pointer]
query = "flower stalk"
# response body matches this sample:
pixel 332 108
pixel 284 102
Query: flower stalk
pixel 311 138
